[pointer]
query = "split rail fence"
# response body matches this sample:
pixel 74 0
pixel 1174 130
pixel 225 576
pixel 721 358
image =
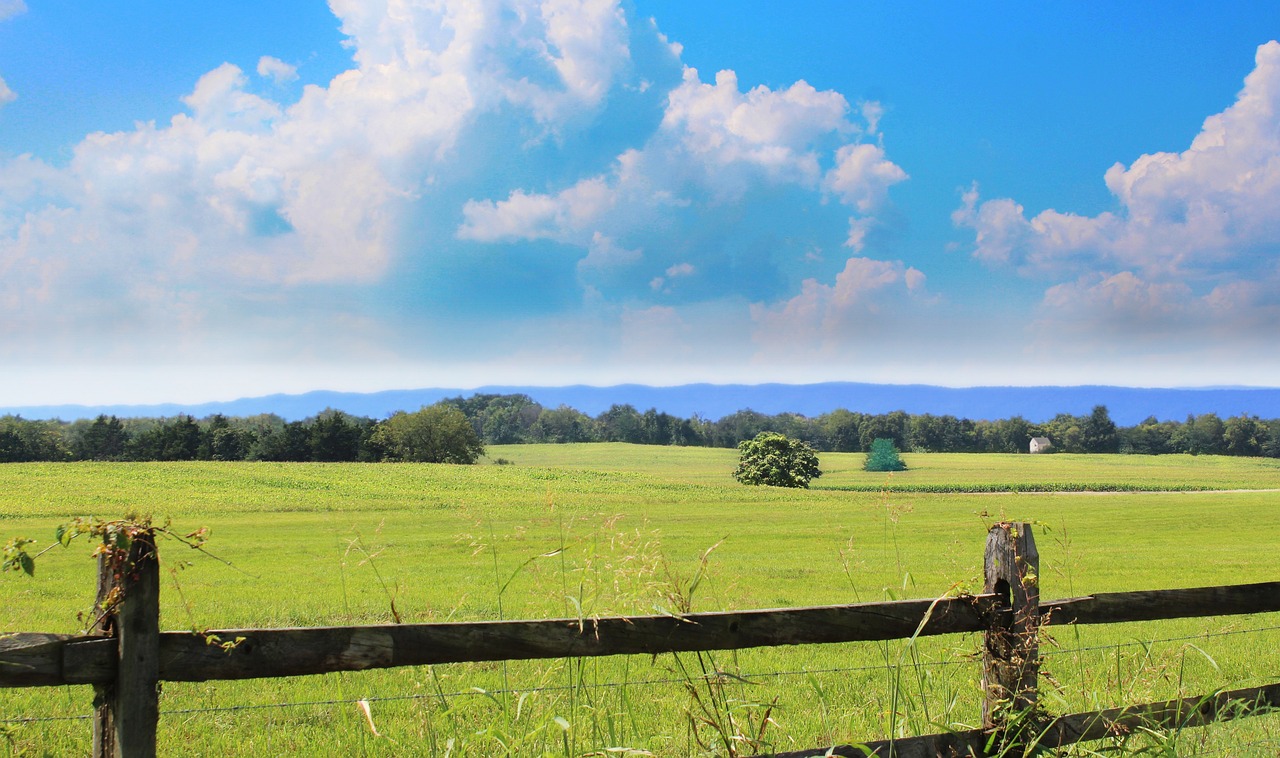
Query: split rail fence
pixel 128 656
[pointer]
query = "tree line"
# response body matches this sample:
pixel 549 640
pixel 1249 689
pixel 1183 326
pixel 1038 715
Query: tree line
pixel 456 430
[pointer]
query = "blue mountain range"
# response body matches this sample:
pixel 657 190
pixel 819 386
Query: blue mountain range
pixel 1127 405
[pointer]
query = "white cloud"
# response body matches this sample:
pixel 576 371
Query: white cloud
pixel 1138 316
pixel 721 125
pixel 250 228
pixel 870 302
pixel 862 176
pixel 872 112
pixel 1120 303
pixel 277 70
pixel 535 216
pixel 557 58
pixel 220 102
pixel 11 8
pixel 1189 264
pixel 679 270
pixel 605 253
pixel 243 195
pixel 715 146
pixel 1192 216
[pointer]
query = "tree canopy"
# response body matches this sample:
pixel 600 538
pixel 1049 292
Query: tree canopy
pixel 436 434
pixel 776 460
pixel 334 435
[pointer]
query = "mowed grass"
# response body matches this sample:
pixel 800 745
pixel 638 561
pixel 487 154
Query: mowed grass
pixel 591 530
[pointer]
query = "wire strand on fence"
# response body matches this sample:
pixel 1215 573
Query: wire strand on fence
pixel 40 719
pixel 1142 643
pixel 650 682
pixel 1234 750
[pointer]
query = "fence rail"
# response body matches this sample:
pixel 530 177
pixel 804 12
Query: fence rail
pixel 126 666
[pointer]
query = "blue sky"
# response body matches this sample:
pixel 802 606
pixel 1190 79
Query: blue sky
pixel 244 197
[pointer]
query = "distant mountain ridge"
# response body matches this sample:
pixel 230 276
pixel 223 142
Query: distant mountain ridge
pixel 1128 405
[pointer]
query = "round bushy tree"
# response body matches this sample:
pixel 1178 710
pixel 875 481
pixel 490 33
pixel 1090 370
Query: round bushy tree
pixel 776 460
pixel 435 434
pixel 883 456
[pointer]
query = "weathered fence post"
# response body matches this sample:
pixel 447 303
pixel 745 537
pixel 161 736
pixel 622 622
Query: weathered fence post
pixel 128 608
pixel 1011 661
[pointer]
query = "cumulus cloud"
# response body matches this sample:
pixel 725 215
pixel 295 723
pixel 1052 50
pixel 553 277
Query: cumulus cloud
pixel 719 154
pixel 713 138
pixel 11 8
pixel 277 70
pixel 559 137
pixel 1190 228
pixel 6 95
pixel 1192 214
pixel 662 283
pixel 862 176
pixel 241 195
pixel 772 130
pixel 535 216
pixel 1123 314
pixel 869 300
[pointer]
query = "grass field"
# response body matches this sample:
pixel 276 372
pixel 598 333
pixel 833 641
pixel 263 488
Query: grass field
pixel 604 529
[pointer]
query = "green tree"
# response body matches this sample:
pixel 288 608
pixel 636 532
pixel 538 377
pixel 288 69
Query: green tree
pixel 891 426
pixel 776 460
pixel 621 423
pixel 213 425
pixel 940 434
pixel 24 440
pixel 1271 446
pixel 1011 435
pixel 176 440
pixel 1244 435
pixel 563 424
pixel 739 426
pixel 1099 432
pixel 335 436
pixel 1200 435
pixel 843 430
pixel 1150 437
pixel 288 442
pixel 103 440
pixel 883 456
pixel 436 434
pixel 499 419
pixel 1066 433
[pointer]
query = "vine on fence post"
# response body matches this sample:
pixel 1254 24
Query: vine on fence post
pixel 127 608
pixel 127 710
pixel 1011 659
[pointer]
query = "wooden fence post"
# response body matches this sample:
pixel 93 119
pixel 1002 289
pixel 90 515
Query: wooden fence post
pixel 1011 661
pixel 128 607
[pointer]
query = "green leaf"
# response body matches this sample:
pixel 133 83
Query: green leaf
pixel 28 564
pixel 64 535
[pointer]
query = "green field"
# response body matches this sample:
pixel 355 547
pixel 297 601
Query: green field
pixel 592 530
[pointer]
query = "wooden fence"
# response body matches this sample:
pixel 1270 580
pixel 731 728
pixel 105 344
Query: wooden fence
pixel 127 656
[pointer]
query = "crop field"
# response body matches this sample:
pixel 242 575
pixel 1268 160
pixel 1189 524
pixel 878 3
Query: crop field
pixel 585 531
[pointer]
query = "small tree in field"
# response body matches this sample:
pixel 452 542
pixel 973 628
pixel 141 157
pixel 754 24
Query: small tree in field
pixel 776 460
pixel 883 456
